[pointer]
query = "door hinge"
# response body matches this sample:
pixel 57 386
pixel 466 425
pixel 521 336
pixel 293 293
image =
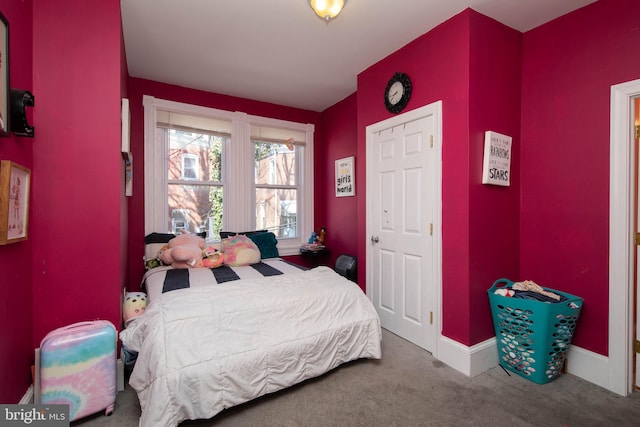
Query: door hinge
pixel 636 346
pixel 636 239
pixel 431 229
pixel 431 317
pixel 431 138
pixel 637 131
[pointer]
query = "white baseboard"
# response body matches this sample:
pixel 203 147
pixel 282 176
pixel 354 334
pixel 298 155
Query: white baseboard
pixel 471 361
pixel 478 358
pixel 589 366
pixel 120 375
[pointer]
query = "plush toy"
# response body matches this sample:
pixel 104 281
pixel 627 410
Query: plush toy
pixel 183 251
pixel 135 303
pixel 212 257
pixel 240 250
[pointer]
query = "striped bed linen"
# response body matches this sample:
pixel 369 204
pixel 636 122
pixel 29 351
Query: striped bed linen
pixel 165 279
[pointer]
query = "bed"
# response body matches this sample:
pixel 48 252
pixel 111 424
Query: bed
pixel 208 344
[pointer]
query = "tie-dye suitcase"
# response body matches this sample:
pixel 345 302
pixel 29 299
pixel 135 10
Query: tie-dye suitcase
pixel 77 366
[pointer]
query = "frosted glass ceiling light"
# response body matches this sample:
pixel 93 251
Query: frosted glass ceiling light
pixel 327 9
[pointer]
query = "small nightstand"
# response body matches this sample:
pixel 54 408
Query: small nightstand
pixel 315 255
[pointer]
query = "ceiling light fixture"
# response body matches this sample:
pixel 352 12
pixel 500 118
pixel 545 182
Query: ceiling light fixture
pixel 327 9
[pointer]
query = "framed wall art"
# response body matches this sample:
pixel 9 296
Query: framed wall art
pixel 345 179
pixel 14 202
pixel 496 166
pixel 124 124
pixel 4 76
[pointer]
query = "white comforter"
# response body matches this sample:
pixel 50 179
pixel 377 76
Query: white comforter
pixel 205 349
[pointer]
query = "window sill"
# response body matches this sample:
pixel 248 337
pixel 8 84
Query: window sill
pixel 288 247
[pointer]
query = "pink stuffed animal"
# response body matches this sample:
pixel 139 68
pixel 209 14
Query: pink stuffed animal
pixel 183 251
pixel 213 257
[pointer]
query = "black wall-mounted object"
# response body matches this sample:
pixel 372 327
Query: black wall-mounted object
pixel 20 100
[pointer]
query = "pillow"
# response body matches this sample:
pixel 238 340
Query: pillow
pixel 152 244
pixel 240 250
pixel 266 243
pixel 158 238
pixel 227 234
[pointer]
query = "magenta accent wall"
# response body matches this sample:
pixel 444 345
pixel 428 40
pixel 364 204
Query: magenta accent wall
pixel 77 165
pixel 568 68
pixel 16 291
pixel 472 64
pixel 124 200
pixel 338 214
pixel 495 55
pixel 139 87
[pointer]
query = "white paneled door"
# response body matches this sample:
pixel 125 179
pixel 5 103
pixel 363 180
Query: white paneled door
pixel 403 211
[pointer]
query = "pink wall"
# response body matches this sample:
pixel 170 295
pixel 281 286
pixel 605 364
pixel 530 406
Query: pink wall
pixel 550 226
pixel 139 87
pixel 568 68
pixel 16 291
pixel 76 198
pixel 494 222
pixel 437 63
pixel 124 200
pixel 76 202
pixel 338 214
pixel 471 63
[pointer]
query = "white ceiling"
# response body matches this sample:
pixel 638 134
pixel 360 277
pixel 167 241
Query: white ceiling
pixel 283 53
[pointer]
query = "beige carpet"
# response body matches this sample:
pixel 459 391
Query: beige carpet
pixel 408 387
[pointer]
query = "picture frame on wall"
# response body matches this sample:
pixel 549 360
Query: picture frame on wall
pixel 15 181
pixel 124 124
pixel 345 178
pixel 4 76
pixel 496 165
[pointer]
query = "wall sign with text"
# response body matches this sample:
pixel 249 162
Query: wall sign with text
pixel 496 168
pixel 345 178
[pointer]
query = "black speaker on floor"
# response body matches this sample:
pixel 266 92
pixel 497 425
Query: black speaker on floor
pixel 347 266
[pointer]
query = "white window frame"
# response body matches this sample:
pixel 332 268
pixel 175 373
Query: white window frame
pixel 185 214
pixel 239 170
pixel 193 157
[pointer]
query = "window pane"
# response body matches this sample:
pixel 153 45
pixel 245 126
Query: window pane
pixel 190 167
pixel 275 164
pixel 276 210
pixel 195 208
pixel 194 156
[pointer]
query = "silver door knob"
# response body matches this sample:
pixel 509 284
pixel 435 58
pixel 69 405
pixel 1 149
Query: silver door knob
pixel 375 239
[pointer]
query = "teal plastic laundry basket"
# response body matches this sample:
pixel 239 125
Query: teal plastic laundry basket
pixel 533 336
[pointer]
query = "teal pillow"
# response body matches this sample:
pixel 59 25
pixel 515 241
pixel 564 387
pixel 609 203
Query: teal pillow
pixel 267 243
